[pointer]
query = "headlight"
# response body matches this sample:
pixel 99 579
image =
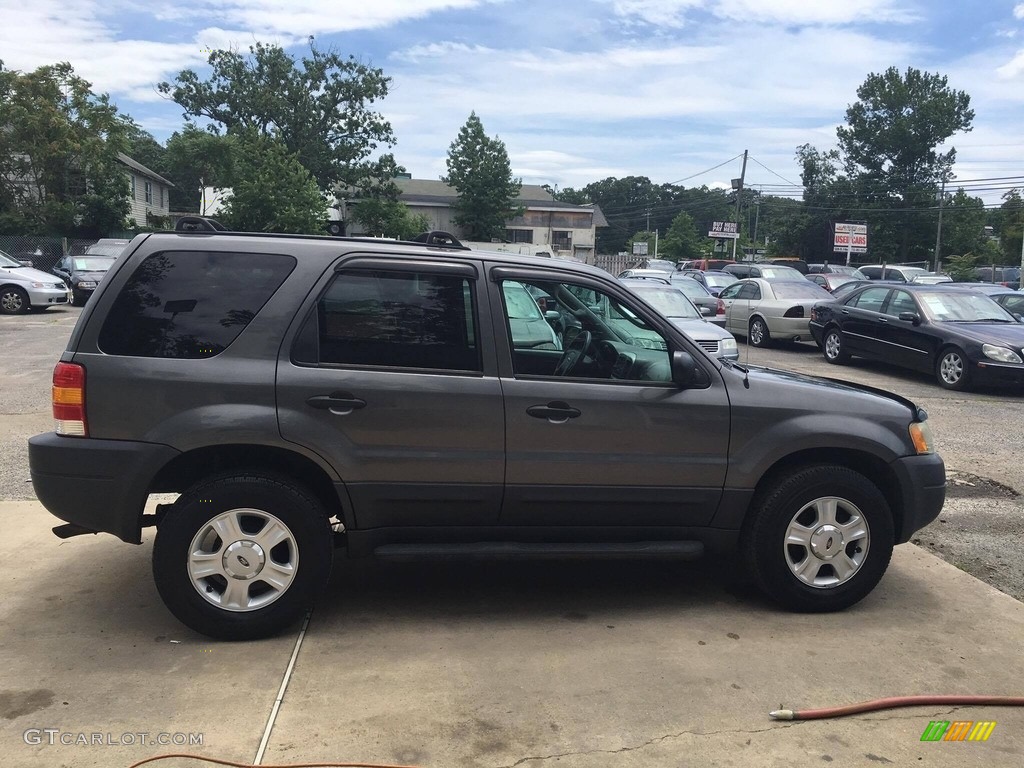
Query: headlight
pixel 1002 354
pixel 921 435
pixel 727 345
pixel 87 284
pixel 40 285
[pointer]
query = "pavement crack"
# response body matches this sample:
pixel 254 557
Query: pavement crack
pixel 649 742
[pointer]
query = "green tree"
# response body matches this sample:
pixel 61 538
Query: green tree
pixel 479 170
pixel 59 144
pixel 271 191
pixel 682 241
pixel 195 159
pixel 320 108
pixel 1011 226
pixel 963 224
pixel 389 218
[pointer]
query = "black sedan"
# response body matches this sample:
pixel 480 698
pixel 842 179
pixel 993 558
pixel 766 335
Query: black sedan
pixel 959 335
pixel 83 274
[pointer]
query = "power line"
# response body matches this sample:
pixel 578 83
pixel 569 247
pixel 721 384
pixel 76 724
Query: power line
pixel 709 170
pixel 771 171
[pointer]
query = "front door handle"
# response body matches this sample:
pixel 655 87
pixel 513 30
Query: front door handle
pixel 338 403
pixel 555 412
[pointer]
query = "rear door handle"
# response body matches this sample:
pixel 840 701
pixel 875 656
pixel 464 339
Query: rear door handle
pixel 555 412
pixel 338 403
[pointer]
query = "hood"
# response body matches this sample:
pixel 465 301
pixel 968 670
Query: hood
pixel 1009 334
pixel 31 275
pixel 701 330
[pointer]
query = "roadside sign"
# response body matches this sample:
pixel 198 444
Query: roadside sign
pixel 725 230
pixel 640 249
pixel 850 238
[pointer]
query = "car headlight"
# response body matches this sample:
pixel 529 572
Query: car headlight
pixel 728 345
pixel 40 285
pixel 1002 354
pixel 86 284
pixel 921 435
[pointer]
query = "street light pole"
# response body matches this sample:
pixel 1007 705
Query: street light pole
pixel 739 193
pixel 938 232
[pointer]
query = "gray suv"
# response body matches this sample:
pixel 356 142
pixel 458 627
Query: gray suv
pixel 303 394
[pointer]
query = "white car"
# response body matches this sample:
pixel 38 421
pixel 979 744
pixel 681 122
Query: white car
pixel 763 310
pixel 23 288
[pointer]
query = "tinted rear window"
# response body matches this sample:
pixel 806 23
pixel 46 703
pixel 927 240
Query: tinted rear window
pixel 190 304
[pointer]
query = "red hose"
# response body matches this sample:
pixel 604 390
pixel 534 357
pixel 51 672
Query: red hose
pixel 897 701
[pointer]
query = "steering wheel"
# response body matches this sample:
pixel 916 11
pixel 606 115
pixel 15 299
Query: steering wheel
pixel 574 353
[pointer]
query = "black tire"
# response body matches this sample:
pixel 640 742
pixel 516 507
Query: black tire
pixel 834 348
pixel 13 300
pixel 758 334
pixel 797 498
pixel 952 369
pixel 306 554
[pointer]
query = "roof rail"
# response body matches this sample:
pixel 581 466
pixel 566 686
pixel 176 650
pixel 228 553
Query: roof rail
pixel 440 239
pixel 198 224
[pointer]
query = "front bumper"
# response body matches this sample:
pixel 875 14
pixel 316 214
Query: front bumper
pixel 922 483
pixel 993 372
pixel 100 485
pixel 45 297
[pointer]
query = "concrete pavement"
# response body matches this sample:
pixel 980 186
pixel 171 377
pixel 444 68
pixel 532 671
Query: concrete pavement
pixel 580 665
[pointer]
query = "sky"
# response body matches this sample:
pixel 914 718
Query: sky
pixel 579 90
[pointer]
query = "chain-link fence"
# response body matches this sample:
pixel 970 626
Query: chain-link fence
pixel 41 252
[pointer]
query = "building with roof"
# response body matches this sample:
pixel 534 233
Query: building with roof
pixel 564 229
pixel 150 192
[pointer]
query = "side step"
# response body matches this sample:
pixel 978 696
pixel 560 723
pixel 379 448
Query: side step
pixel 675 550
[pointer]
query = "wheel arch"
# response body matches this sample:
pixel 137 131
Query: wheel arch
pixel 192 466
pixel 872 467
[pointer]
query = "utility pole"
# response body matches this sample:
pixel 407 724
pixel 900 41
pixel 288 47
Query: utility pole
pixel 655 243
pixel 739 193
pixel 938 232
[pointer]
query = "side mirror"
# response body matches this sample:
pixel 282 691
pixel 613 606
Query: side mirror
pixel 552 316
pixel 1020 319
pixel 686 373
pixel 910 317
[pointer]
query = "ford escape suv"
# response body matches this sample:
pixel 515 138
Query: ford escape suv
pixel 303 394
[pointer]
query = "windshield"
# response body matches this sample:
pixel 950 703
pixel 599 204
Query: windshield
pixel 804 290
pixel 520 303
pixel 691 288
pixel 7 261
pixel 104 250
pixel 85 264
pixel 720 281
pixel 943 307
pixel 840 269
pixel 668 301
pixel 787 273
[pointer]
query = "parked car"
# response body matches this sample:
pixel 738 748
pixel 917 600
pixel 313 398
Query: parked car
pixel 847 288
pixel 672 302
pixel 1008 277
pixel 763 310
pixel 892 273
pixel 830 280
pixel 24 288
pixel 710 306
pixel 300 394
pixel 798 264
pixel 713 280
pixel 707 265
pixel 644 272
pixel 931 278
pixel 82 274
pixel 835 269
pixel 528 326
pixel 960 336
pixel 764 271
pixel 1009 299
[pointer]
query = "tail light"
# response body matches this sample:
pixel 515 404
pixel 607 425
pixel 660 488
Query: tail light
pixel 721 308
pixel 797 311
pixel 69 400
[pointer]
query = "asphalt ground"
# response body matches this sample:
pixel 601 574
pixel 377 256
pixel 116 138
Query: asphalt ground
pixel 516 664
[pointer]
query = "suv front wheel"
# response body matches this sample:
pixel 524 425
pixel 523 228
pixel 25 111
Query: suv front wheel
pixel 240 557
pixel 818 539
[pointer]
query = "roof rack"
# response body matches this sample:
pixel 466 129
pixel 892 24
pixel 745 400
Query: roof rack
pixel 435 238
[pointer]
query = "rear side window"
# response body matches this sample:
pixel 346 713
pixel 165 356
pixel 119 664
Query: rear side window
pixel 190 304
pixel 399 319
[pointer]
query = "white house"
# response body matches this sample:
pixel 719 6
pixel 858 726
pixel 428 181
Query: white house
pixel 150 192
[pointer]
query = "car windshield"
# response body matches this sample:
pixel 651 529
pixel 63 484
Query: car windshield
pixel 668 301
pixel 104 250
pixel 88 264
pixel 804 290
pixel 720 280
pixel 690 287
pixel 520 303
pixel 661 265
pixel 787 273
pixel 7 261
pixel 840 279
pixel 966 307
pixel 841 269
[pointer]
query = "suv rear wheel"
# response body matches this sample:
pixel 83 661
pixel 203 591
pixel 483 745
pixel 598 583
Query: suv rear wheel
pixel 240 557
pixel 819 539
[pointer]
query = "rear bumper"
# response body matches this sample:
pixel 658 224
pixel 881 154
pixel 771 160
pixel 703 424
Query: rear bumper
pixel 922 481
pixel 788 327
pixel 100 485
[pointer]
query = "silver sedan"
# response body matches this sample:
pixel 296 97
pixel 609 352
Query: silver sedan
pixel 763 310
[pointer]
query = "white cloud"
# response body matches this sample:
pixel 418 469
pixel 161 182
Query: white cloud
pixel 673 13
pixel 1018 11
